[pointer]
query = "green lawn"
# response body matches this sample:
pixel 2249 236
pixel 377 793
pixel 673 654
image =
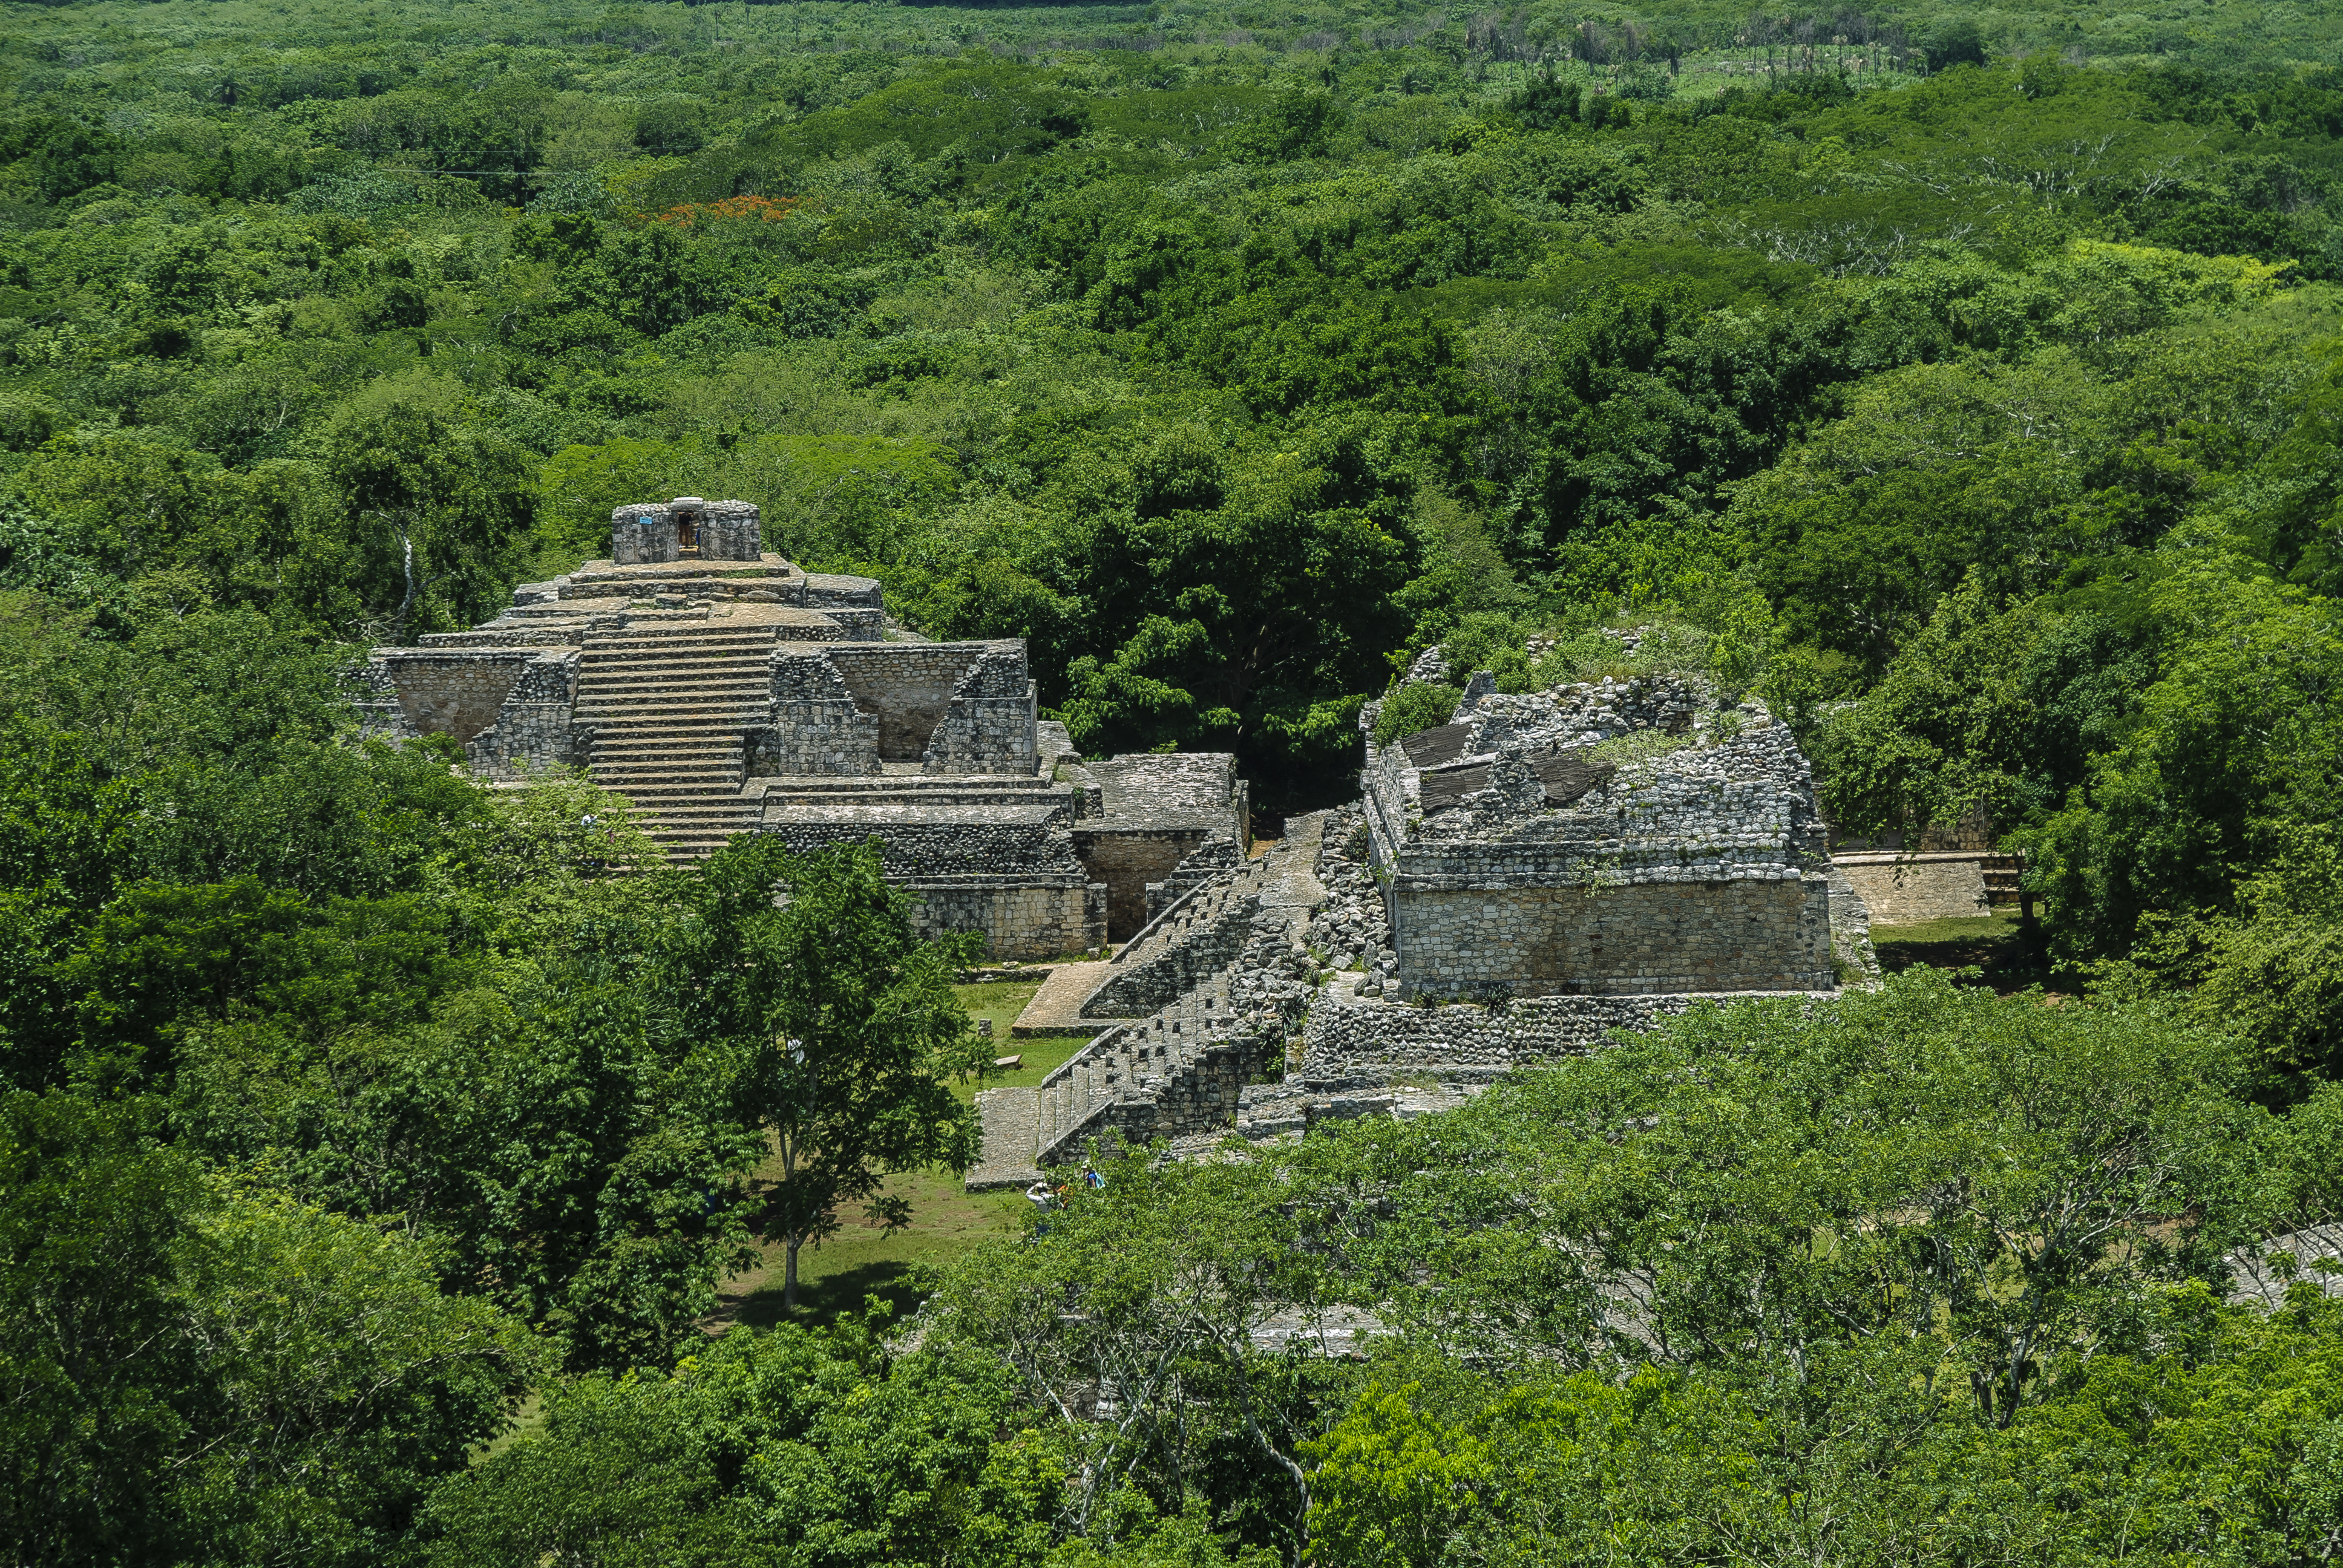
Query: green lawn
pixel 1994 944
pixel 863 1260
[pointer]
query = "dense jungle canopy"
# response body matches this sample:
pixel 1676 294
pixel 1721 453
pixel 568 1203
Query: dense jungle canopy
pixel 1963 382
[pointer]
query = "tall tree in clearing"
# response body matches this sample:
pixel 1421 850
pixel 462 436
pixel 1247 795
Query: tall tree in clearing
pixel 838 1025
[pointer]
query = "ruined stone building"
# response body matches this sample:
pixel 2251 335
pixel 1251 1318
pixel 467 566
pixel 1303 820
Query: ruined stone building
pixel 1510 888
pixel 724 690
pixel 1621 838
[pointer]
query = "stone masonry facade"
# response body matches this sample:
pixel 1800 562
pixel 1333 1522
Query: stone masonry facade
pixel 725 690
pixel 1614 838
pixel 1521 885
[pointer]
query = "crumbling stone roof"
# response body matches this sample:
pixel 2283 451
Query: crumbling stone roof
pixel 1173 788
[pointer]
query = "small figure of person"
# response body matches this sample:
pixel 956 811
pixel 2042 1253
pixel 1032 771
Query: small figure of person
pixel 1092 1178
pixel 1041 1195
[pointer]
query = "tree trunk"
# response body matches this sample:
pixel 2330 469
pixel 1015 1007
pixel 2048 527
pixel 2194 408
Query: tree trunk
pixel 789 1276
pixel 406 604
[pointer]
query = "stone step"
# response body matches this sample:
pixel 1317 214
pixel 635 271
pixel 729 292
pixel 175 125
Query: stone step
pixel 603 655
pixel 600 658
pixel 655 795
pixel 708 693
pixel 645 697
pixel 828 787
pixel 634 743
pixel 665 776
pixel 669 753
pixel 710 725
pixel 599 654
pixel 645 708
pixel 966 793
pixel 753 680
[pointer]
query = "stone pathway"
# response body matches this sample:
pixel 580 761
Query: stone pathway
pixel 1056 1010
pixel 1009 1120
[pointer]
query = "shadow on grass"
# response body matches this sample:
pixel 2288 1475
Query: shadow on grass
pixel 822 1299
pixel 2008 957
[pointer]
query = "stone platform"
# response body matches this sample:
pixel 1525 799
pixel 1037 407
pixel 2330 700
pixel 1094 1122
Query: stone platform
pixel 1056 1010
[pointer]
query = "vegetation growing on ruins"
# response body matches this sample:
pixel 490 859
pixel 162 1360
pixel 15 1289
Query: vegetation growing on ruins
pixel 1959 383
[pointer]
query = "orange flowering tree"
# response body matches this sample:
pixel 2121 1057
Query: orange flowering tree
pixel 693 214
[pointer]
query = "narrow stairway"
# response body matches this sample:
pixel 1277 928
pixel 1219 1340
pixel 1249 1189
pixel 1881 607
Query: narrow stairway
pixel 1190 940
pixel 668 705
pixel 1180 1067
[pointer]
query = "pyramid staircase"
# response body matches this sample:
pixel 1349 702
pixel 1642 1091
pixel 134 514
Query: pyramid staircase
pixel 1203 864
pixel 668 705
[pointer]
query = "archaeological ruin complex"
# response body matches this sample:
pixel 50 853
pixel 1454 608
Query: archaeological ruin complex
pixel 1512 885
pixel 724 690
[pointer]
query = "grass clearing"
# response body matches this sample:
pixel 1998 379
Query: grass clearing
pixel 1994 944
pixel 863 1260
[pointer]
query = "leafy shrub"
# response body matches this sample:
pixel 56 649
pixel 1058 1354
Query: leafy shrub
pixel 1413 707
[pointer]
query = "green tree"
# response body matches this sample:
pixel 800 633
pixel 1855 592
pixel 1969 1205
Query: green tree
pixel 196 1371
pixel 437 513
pixel 836 1024
pixel 1155 1292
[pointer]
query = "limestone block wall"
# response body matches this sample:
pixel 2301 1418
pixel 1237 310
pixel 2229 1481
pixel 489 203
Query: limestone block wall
pixel 643 535
pixel 826 590
pixel 1030 918
pixel 816 726
pixel 651 533
pixel 1127 859
pixel 1069 770
pixel 1207 860
pixel 1748 934
pixel 1906 890
pixel 1006 849
pixel 989 726
pixel 907 686
pixel 729 531
pixel 1201 1096
pixel 520 634
pixel 407 692
pixel 1174 786
pixel 956 708
pixel 532 731
pixel 1340 1039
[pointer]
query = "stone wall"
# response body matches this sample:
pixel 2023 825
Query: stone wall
pixel 1200 865
pixel 558 633
pixel 650 533
pixel 989 726
pixel 643 535
pixel 1344 1038
pixel 426 691
pixel 1213 932
pixel 1127 859
pixel 1906 890
pixel 1200 1095
pixel 837 590
pixel 915 849
pixel 510 707
pixel 728 532
pixel 815 727
pixel 908 686
pixel 532 731
pixel 1035 918
pixel 1173 787
pixel 1740 935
